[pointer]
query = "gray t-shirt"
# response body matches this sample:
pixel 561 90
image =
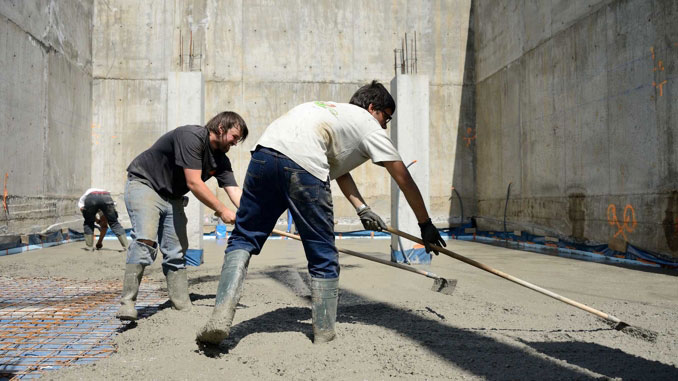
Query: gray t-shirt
pixel 329 139
pixel 162 165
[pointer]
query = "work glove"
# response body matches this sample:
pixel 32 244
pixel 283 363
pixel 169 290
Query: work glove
pixel 430 236
pixel 370 220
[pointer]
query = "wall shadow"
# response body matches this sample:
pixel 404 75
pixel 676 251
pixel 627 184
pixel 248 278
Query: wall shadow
pixel 472 351
pixel 463 204
pixel 611 362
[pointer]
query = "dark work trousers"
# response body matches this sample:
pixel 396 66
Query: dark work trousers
pixel 274 183
pixel 101 201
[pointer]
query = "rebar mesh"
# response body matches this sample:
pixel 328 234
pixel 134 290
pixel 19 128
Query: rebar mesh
pixel 47 324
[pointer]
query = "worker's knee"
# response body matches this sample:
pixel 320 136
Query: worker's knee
pixel 148 242
pixel 142 251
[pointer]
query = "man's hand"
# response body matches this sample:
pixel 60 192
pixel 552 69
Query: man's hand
pixel 430 236
pixel 370 220
pixel 226 215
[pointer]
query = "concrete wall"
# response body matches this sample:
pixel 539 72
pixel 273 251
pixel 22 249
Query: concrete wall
pixel 261 58
pixel 45 110
pixel 577 108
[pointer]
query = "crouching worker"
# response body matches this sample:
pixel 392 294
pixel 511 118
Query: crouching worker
pixel 97 206
pixel 291 168
pixel 181 160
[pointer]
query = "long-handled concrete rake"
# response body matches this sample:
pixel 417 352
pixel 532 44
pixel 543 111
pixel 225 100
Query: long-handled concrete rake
pixel 445 286
pixel 613 321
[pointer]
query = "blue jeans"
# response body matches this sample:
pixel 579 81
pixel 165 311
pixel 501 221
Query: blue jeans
pixel 274 183
pixel 159 220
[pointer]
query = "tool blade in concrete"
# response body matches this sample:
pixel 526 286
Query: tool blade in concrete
pixel 446 286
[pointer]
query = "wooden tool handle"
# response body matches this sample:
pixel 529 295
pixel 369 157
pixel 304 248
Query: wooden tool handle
pixel 368 257
pixel 507 276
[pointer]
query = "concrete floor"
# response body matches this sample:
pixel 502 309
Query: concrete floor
pixel 390 324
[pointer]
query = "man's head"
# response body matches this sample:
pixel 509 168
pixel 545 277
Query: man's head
pixel 226 130
pixel 376 100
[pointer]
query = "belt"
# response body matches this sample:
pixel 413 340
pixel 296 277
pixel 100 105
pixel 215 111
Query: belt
pixel 270 151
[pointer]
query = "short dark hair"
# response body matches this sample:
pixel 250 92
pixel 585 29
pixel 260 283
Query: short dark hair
pixel 376 94
pixel 228 120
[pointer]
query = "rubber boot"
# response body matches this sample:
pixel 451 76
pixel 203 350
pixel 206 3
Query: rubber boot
pixel 89 242
pixel 324 294
pixel 233 274
pixel 177 287
pixel 130 289
pixel 123 242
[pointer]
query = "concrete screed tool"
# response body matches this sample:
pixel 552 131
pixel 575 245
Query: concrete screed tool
pixel 613 321
pixel 442 285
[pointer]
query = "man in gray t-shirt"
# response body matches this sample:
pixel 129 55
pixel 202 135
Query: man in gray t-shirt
pixel 157 181
pixel 291 168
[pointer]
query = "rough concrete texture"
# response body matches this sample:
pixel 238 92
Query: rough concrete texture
pixel 412 92
pixel 260 60
pixel 389 324
pixel 186 105
pixel 45 111
pixel 576 107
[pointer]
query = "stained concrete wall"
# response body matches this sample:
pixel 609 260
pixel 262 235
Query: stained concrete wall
pixel 577 108
pixel 261 58
pixel 45 111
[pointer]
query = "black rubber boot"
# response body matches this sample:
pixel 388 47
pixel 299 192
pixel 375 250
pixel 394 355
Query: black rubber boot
pixel 177 287
pixel 233 274
pixel 325 295
pixel 130 289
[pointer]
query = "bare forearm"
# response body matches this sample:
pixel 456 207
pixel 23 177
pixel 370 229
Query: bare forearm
pixel 350 190
pixel 204 195
pixel 409 188
pixel 414 199
pixel 102 233
pixel 234 194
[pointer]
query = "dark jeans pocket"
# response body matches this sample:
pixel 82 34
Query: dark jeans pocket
pixel 302 185
pixel 256 168
pixel 255 175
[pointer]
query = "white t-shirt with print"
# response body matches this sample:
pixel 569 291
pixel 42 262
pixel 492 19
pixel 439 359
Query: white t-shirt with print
pixel 329 139
pixel 81 201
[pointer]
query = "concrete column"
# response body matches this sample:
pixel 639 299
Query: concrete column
pixel 186 105
pixel 410 134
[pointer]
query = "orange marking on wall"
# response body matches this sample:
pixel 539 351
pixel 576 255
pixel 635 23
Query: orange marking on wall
pixel 4 194
pixel 629 223
pixel 661 86
pixel 660 66
pixel 468 137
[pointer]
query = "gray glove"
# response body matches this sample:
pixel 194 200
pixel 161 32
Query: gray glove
pixel 370 220
pixel 430 236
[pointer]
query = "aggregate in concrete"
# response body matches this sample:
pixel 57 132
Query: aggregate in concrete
pixel 389 323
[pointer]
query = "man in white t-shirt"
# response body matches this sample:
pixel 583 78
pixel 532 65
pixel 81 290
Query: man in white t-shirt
pixel 291 168
pixel 97 206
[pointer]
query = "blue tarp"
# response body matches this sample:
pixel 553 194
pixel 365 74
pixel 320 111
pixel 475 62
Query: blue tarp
pixel 524 241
